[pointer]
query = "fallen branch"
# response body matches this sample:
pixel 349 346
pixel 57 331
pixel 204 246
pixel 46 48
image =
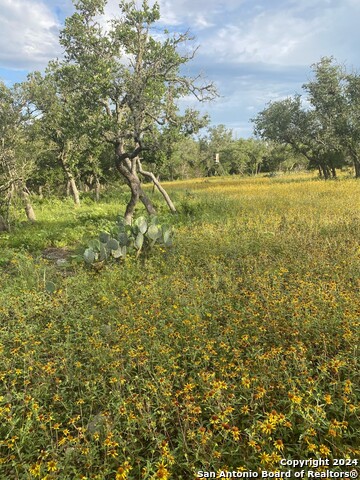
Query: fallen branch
pixel 163 192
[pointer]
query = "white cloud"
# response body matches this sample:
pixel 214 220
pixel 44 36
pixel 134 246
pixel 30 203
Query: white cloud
pixel 256 51
pixel 29 34
pixel 294 33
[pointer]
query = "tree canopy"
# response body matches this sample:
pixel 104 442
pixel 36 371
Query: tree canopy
pixel 325 127
pixel 129 78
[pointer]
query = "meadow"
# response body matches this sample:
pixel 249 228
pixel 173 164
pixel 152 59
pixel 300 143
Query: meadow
pixel 233 349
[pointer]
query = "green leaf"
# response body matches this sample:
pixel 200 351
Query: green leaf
pixel 167 235
pixel 141 223
pixel 104 237
pixel 50 287
pixel 154 220
pixel 120 252
pixel 123 239
pixel 154 232
pixel 103 253
pixel 94 244
pixel 139 240
pixel 89 255
pixel 112 244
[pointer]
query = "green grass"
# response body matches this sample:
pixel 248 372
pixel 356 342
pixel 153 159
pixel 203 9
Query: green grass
pixel 237 347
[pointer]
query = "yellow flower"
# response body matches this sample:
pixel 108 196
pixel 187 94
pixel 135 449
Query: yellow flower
pixel 51 466
pixel 162 472
pixel 324 450
pixel 278 444
pixel 267 427
pixel 235 433
pixel 123 471
pixel 245 381
pixel 348 387
pixel 265 458
pixel 35 470
pixel 260 392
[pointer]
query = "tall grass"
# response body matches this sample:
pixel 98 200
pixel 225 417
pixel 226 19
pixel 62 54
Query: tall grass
pixel 236 348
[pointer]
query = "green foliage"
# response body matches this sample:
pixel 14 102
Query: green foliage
pixel 141 237
pixel 238 346
pixel 326 130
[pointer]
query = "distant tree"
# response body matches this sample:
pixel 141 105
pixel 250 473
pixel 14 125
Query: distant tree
pixel 131 80
pixel 59 122
pixel 334 95
pixel 16 162
pixel 287 123
pixel 349 125
pixel 217 140
pixel 281 157
pixel 327 132
pixel 177 153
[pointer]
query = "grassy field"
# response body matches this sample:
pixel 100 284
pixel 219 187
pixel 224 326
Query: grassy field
pixel 237 347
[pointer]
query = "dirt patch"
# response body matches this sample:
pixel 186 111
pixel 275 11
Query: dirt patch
pixel 57 255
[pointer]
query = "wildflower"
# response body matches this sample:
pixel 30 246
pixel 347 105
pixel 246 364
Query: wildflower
pixel 324 450
pixel 278 444
pixel 312 447
pixel 260 392
pixel 328 399
pixel 35 470
pixel 245 381
pixel 112 453
pixel 275 458
pixel 162 472
pixel 253 444
pixel 267 427
pixel 347 387
pixel 122 471
pixel 296 399
pixel 51 466
pixel 265 458
pixel 235 433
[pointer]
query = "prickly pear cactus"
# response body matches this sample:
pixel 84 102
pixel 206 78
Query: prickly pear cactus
pixel 141 236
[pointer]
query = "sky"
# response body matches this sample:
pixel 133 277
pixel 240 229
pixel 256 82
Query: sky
pixel 254 51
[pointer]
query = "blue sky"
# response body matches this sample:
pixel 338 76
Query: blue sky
pixel 255 51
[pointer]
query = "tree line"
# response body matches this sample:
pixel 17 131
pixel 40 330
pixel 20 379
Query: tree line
pixel 324 127
pixel 110 109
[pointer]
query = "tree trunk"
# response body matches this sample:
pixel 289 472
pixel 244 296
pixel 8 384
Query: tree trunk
pixel 325 171
pixel 97 188
pixel 70 178
pixel 4 227
pixel 30 214
pixel 147 203
pixel 163 192
pixel 356 162
pixel 127 169
pixel 75 191
pixel 137 194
